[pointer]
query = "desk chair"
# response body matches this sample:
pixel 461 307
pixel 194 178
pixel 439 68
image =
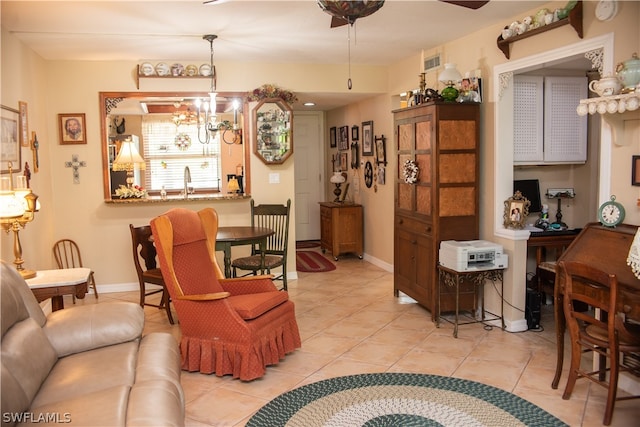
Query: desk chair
pixel 144 248
pixel 67 255
pixel 606 338
pixel 275 217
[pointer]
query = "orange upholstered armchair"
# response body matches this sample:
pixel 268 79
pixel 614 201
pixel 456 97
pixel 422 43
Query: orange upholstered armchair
pixel 233 326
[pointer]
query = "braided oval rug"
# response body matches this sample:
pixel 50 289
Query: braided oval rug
pixel 402 400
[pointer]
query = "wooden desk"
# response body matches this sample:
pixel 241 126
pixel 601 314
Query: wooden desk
pixel 543 241
pixel 607 249
pixel 454 278
pixel 56 283
pixel 237 236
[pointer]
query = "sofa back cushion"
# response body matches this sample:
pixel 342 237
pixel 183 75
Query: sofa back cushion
pixel 26 354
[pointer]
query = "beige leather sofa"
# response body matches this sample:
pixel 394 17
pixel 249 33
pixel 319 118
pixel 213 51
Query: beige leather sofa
pixel 84 366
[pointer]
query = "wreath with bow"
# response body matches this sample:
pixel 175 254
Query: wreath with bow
pixel 410 172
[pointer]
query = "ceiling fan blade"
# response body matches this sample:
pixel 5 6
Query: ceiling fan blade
pixel 468 4
pixel 338 22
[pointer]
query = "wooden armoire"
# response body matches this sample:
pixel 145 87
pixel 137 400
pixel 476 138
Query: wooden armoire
pixel 442 138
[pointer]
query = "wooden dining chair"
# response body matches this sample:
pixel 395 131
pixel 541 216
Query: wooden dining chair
pixel 600 331
pixel 144 249
pixel 67 255
pixel 275 217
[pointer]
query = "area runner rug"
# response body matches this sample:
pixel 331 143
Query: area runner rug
pixel 306 244
pixel 312 262
pixel 401 400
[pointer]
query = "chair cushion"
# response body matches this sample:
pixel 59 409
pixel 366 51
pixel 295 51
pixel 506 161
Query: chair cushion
pixel 250 306
pixel 255 262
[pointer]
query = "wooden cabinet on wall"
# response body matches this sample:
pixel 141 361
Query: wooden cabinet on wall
pixel 341 228
pixel 443 140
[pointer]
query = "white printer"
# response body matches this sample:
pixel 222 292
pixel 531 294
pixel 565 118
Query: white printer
pixel 472 255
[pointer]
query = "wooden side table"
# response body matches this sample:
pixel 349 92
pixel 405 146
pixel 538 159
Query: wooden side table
pixel 55 284
pixel 453 278
pixel 341 229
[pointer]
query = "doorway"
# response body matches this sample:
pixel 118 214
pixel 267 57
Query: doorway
pixel 309 155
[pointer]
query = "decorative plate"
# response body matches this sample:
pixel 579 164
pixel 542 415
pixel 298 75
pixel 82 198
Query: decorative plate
pixel 191 70
pixel 146 69
pixel 177 70
pixel 163 69
pixel 205 70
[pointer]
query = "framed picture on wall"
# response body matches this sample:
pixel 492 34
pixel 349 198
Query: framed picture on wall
pixel 24 124
pixel 344 161
pixel 333 142
pixel 9 140
pixel 72 128
pixel 367 138
pixel 343 143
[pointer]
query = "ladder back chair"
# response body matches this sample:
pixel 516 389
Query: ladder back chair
pixel 602 332
pixel 275 217
pixel 144 249
pixel 67 255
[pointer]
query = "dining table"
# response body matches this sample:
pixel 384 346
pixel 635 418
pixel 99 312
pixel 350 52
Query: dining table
pixel 240 235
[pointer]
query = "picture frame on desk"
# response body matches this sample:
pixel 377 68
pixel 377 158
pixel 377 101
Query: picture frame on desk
pixel 516 211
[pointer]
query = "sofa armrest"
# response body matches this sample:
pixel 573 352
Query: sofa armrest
pixel 83 328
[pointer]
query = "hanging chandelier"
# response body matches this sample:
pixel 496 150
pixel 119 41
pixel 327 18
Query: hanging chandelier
pixel 347 12
pixel 207 109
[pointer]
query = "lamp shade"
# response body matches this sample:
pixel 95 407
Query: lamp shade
pixel 128 157
pixel 450 75
pixel 337 178
pixel 233 185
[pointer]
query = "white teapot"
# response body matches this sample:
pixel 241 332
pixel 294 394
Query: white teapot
pixel 606 86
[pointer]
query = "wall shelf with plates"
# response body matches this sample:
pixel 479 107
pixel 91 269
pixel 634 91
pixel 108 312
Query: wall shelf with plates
pixel 616 110
pixel 143 72
pixel 574 19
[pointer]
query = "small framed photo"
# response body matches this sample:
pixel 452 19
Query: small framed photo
pixel 344 161
pixel 635 171
pixel 381 150
pixel 516 211
pixel 367 138
pixel 267 155
pixel 333 142
pixel 9 140
pixel 72 129
pixel 343 142
pixel 470 90
pixel 24 124
pixel 355 133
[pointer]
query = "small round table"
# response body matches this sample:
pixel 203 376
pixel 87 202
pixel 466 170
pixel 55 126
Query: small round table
pixel 240 235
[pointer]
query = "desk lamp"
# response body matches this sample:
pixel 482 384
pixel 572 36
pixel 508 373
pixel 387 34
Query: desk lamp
pixel 17 208
pixel 560 193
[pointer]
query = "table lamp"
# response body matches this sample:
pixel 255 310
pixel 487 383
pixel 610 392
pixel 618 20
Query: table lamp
pixel 337 179
pixel 17 208
pixel 233 186
pixel 128 158
pixel 449 77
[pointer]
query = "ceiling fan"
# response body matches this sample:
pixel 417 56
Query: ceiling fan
pixel 469 4
pixel 346 12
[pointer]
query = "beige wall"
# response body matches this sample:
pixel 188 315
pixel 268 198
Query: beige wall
pixel 78 211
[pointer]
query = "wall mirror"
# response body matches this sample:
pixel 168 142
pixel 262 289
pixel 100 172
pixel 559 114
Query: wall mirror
pixel 173 146
pixel 273 124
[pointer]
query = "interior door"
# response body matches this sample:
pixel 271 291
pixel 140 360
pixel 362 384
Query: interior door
pixel 309 158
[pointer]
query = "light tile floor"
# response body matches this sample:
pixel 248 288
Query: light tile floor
pixel 351 323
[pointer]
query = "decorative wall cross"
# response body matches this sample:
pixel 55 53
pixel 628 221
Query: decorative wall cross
pixel 75 164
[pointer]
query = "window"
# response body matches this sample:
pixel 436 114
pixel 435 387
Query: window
pixel 166 159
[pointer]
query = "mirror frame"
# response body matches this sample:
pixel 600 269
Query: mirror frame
pixel 109 100
pixel 254 118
